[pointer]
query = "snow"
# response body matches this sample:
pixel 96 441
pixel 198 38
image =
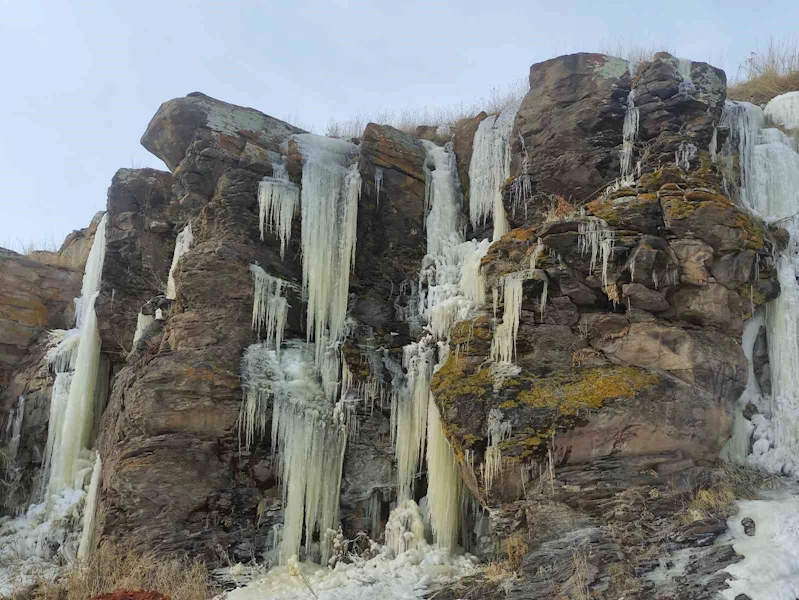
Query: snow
pixel 770 568
pixel 183 244
pixel 783 110
pixel 490 168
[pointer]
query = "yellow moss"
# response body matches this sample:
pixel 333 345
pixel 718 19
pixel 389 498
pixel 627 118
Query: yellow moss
pixel 453 381
pixel 754 230
pixel 591 389
pixel 464 332
pixel 679 209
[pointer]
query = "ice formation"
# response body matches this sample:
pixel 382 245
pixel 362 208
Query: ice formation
pixel 310 440
pixel 378 184
pixel 784 110
pixel 443 198
pixel 443 482
pixel 490 168
pixel 278 200
pixel 269 306
pixel 769 187
pixel 331 187
pixel 503 346
pixel 183 244
pixel 142 322
pixel 629 135
pixel 89 509
pixel 498 432
pixel 14 431
pixel 596 238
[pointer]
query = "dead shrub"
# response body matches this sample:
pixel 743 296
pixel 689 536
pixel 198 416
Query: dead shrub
pixel 768 72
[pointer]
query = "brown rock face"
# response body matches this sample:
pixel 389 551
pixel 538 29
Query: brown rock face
pixel 571 124
pixel 33 297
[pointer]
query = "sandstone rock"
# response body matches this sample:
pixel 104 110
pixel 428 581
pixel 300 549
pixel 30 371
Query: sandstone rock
pixel 695 259
pixel 735 269
pixel 712 304
pixel 708 359
pixel 642 297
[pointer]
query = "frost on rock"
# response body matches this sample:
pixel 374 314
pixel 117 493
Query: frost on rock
pixel 308 433
pixel 490 168
pixel 278 200
pixel 183 244
pixel 269 306
pixel 331 187
pixel 784 110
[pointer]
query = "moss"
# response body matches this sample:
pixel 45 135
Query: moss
pixel 464 332
pixel 754 229
pixel 590 389
pixel 679 209
pixel 454 381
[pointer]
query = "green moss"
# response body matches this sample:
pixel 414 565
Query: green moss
pixel 454 382
pixel 464 332
pixel 679 209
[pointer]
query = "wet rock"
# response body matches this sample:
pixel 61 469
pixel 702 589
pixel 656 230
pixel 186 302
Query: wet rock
pixel 749 526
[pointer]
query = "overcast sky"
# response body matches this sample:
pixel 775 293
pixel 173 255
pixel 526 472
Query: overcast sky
pixel 81 79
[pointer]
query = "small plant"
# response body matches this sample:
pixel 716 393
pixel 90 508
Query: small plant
pixel 768 72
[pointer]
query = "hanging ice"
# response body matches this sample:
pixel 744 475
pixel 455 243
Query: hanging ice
pixel 378 184
pixel 310 436
pixel 183 244
pixel 278 200
pixel 269 307
pixel 443 482
pixel 744 121
pixel 142 322
pixel 490 168
pixel 503 346
pixel 596 238
pixel 331 187
pixel 498 432
pixel 89 509
pixel 14 432
pixel 443 197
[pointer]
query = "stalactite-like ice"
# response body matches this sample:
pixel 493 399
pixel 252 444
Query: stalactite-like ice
pixel 596 238
pixel 62 349
pixel 269 306
pixel 310 436
pixel 498 432
pixel 744 121
pixel 278 200
pixel 378 184
pixel 490 168
pixel 14 432
pixel 443 482
pixel 784 110
pixel 411 414
pixel 183 244
pixel 331 187
pixel 503 346
pixel 92 274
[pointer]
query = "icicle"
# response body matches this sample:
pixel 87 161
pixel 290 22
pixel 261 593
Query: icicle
pixel 331 187
pixel 503 346
pixel 684 155
pixel 309 433
pixel 521 190
pixel 684 69
pixel 89 509
pixel 597 238
pixel 62 349
pixel 490 168
pixel 142 322
pixel 498 432
pixel 443 482
pixel 629 135
pixel 411 419
pixel 92 274
pixel 744 121
pixel 277 202
pixel 269 307
pixel 183 243
pixel 378 184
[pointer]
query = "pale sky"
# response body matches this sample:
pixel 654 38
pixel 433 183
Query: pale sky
pixel 83 78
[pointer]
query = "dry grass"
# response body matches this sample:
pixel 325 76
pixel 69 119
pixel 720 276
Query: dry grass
pixel 113 567
pixel 768 72
pixel 633 53
pixel 441 117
